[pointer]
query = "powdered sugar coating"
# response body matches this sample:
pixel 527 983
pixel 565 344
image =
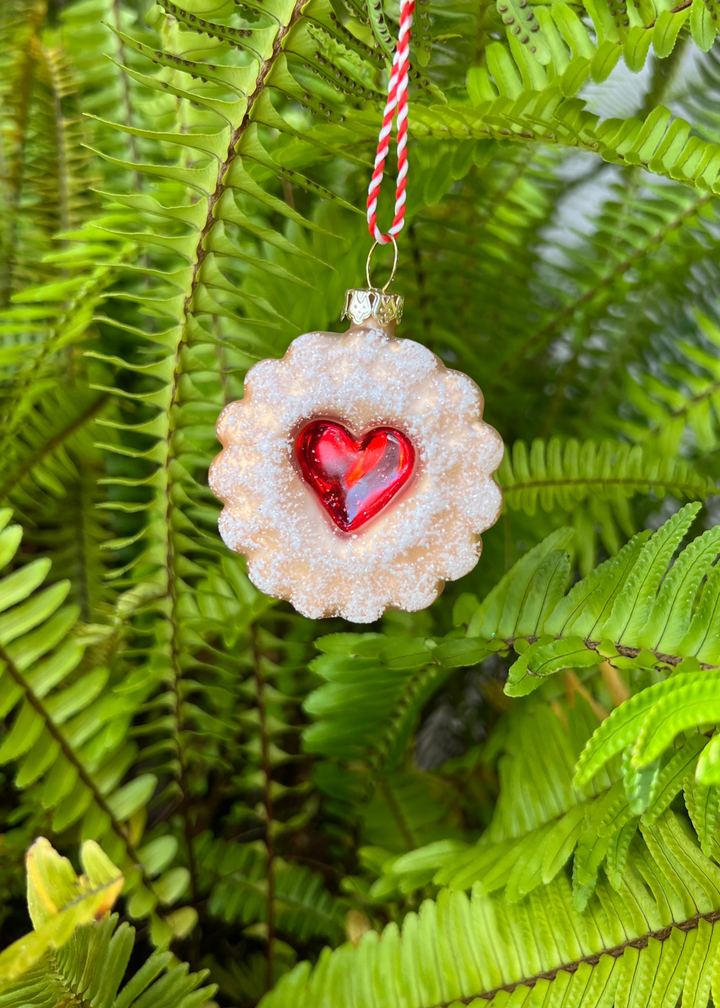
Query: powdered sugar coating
pixel 428 534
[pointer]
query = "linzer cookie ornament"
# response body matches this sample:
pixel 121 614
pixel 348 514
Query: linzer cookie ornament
pixel 357 471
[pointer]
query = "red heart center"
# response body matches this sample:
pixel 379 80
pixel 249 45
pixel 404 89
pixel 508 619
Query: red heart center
pixel 354 480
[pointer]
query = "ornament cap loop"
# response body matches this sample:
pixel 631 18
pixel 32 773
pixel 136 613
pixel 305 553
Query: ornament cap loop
pixel 375 244
pixel 361 305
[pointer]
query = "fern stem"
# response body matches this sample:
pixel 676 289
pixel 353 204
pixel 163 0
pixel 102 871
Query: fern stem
pixel 688 489
pixel 268 800
pixel 221 362
pixel 125 84
pixel 175 664
pixel 185 807
pixel 60 139
pixel 397 813
pixel 538 340
pixel 26 81
pixel 689 405
pixel 200 255
pixel 49 447
pixel 498 197
pixel 664 71
pixel 11 417
pixel 70 756
pixel 83 589
pixel 232 153
pixel 622 649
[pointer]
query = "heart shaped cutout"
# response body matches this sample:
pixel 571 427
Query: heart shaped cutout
pixel 353 479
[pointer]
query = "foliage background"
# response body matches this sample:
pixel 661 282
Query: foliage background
pixel 179 197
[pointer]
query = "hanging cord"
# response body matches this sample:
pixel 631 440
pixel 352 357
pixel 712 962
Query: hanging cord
pixel 397 99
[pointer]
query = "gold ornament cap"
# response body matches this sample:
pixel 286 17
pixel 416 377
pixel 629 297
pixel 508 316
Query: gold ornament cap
pixel 372 303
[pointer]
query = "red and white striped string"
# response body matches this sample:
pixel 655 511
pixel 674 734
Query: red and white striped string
pixel 397 100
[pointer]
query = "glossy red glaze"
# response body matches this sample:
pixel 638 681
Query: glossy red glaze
pixel 353 479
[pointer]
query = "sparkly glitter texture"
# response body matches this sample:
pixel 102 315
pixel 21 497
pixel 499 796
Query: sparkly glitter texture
pixel 354 480
pixel 429 533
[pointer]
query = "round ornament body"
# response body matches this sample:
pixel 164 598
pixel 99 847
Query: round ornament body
pixel 356 474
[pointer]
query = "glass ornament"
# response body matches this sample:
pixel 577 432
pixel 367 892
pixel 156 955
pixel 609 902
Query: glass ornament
pixel 357 471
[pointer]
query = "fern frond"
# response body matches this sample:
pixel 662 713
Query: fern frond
pixel 59 902
pixel 235 876
pixel 38 462
pixel 686 401
pixel 77 953
pixel 557 475
pixel 559 48
pixel 67 739
pixel 630 610
pixel 395 808
pixel 45 321
pixel 639 938
pixel 91 965
pixel 659 144
pixel 384 717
